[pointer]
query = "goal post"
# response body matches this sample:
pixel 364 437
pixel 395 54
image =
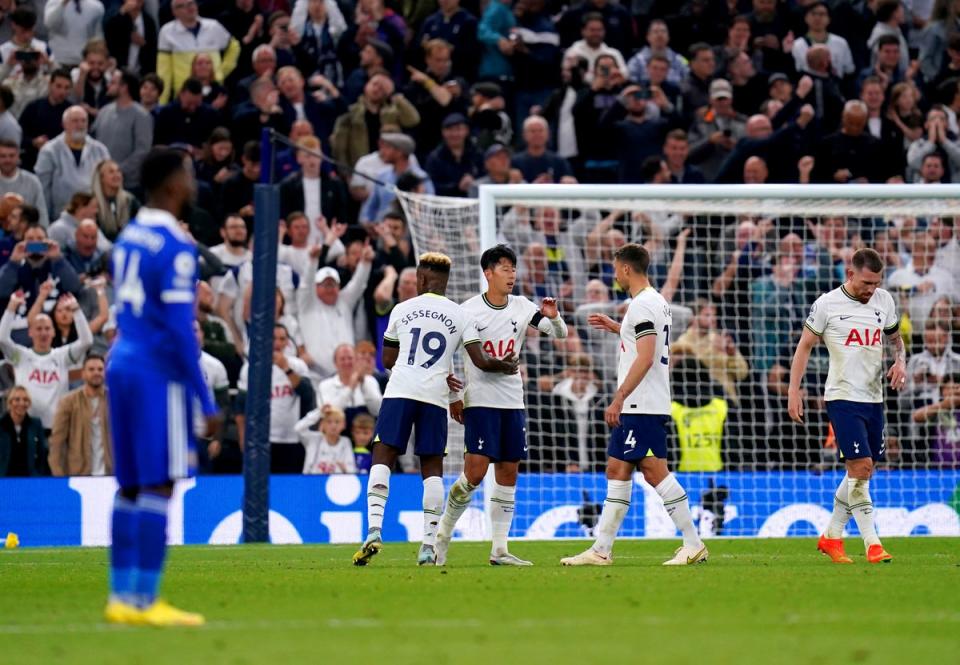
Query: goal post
pixel 741 265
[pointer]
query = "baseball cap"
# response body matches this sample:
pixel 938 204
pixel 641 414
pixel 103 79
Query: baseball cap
pixel 400 141
pixel 326 273
pixel 495 149
pixel 454 119
pixel 721 88
pixel 774 78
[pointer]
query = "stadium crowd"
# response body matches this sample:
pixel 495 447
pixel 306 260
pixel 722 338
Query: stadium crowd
pixel 441 97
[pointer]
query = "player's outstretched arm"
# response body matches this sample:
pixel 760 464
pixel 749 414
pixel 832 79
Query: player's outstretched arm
pixel 551 322
pixel 7 345
pixel 808 340
pixel 603 322
pixel 507 365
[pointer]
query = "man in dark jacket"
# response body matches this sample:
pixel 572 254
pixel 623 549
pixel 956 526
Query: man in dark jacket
pixel 187 120
pixel 455 164
pixel 636 136
pixel 852 154
pixel 312 192
pixel 28 269
pixel 131 31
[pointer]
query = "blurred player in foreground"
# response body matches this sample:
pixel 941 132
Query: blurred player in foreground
pixel 153 376
pixel 492 410
pixel 639 414
pixel 849 320
pixel 422 335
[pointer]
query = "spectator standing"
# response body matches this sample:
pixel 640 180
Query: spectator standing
pixel 617 23
pixel 316 48
pixel 890 18
pixel 80 440
pixel 18 181
pixel 82 205
pixel 922 281
pixel 435 92
pixel 850 155
pixel 312 192
pixel 186 120
pixel 716 130
pixel 537 163
pixel 185 36
pixel 400 147
pixel 261 112
pixel 352 389
pixel 636 135
pixel 115 205
pixel 658 43
pixel 676 150
pixel 457 27
pixel 42 119
pixel 131 36
pixel 817 18
pixel 91 77
pixel 23 444
pixel 326 315
pixel 70 25
pixel 455 164
pixel 125 128
pixel 44 370
pixel 592 45
pixel 939 139
pixel 496 46
pixel 66 163
pixel 696 87
pixel 84 255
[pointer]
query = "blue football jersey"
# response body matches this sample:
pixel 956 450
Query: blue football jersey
pixel 154 277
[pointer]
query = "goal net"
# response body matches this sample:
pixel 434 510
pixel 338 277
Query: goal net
pixel 741 267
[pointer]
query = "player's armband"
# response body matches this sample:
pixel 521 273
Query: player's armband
pixel 535 321
pixel 391 343
pixel 894 328
pixel 643 329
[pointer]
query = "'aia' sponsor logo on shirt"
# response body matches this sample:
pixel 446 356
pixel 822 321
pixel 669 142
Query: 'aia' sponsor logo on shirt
pixel 864 337
pixel 44 377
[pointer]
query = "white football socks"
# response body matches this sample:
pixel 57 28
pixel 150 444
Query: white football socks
pixel 457 501
pixel 678 508
pixel 615 509
pixel 862 508
pixel 841 511
pixel 502 503
pixel 378 489
pixel 432 507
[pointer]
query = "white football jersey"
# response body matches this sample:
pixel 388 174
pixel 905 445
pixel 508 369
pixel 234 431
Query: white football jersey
pixel 502 331
pixel 647 314
pixel 284 400
pixel 215 374
pixel 853 333
pixel 428 330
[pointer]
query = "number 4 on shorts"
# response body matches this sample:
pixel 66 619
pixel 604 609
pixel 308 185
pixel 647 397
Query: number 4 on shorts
pixel 630 440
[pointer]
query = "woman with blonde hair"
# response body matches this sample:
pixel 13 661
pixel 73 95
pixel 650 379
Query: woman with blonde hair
pixel 23 443
pixel 115 205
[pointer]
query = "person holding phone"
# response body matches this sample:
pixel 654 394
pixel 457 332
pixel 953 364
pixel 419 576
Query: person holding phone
pixel 35 260
pixel 592 46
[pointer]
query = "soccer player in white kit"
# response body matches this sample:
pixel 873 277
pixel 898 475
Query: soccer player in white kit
pixel 493 411
pixel 639 414
pixel 418 346
pixel 850 320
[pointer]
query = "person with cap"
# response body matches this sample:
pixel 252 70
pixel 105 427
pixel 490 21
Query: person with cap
pixel 436 93
pixel 635 135
pixel 780 87
pixel 455 164
pixel 356 131
pixel 496 161
pixel 536 163
pixel 371 164
pixel 312 192
pixel 375 56
pixel 325 312
pixel 489 122
pixel 399 148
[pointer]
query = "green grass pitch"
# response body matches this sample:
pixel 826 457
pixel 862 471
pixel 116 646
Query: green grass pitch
pixel 756 601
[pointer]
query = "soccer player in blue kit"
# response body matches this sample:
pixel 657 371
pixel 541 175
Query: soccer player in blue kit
pixel 153 377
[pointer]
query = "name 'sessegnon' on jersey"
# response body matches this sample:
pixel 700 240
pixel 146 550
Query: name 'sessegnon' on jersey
pixel 853 334
pixel 427 330
pixel 647 314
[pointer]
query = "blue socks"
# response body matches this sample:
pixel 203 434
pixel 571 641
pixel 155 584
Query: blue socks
pixel 152 540
pixel 139 548
pixel 123 552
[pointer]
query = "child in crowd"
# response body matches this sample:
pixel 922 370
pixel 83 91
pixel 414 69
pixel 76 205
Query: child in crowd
pixel 361 430
pixel 328 451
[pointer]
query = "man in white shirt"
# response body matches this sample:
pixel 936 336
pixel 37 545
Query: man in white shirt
pixel 44 370
pixel 350 389
pixel 922 280
pixel 326 312
pixel 592 46
pixel 286 452
pixel 233 251
pixel 71 24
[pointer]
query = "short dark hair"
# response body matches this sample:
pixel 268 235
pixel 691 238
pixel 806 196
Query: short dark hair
pixel 29 214
pixel 409 181
pixel 887 40
pixel 93 356
pixel 658 56
pixel 132 82
pixel 886 9
pixel 696 48
pixel 394 213
pixel 9 143
pixel 635 256
pixel 61 73
pixel 251 151
pixel 867 258
pixel 492 256
pixel 24 17
pixel 6 97
pixel 592 16
pixel 296 214
pixel 871 80
pixel 954 42
pixel 676 135
pixel 155 81
pixel 816 5
pixel 193 86
pixel 158 166
pixel 650 167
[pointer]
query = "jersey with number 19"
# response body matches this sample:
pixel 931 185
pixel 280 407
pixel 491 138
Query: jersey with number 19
pixel 427 331
pixel 643 419
pixel 154 370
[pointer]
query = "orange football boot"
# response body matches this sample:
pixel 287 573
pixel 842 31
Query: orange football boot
pixel 876 554
pixel 833 548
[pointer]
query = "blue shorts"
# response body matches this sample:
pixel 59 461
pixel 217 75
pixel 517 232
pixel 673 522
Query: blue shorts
pixel 399 416
pixel 500 434
pixel 858 428
pixel 151 422
pixel 639 435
